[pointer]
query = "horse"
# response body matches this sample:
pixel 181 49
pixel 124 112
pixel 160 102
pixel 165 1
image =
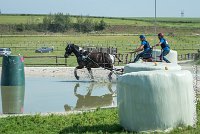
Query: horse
pixel 91 60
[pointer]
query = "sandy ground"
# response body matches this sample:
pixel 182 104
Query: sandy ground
pixel 62 71
pixel 68 72
pixel 99 74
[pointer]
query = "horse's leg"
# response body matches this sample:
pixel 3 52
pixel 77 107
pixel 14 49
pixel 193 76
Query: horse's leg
pixel 91 74
pixel 109 86
pixel 110 75
pixel 111 68
pixel 75 72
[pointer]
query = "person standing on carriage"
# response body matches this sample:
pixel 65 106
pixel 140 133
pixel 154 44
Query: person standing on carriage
pixel 145 47
pixel 165 49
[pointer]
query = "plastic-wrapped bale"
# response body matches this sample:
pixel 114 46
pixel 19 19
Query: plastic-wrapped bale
pixel 156 100
pixel 149 66
pixel 172 56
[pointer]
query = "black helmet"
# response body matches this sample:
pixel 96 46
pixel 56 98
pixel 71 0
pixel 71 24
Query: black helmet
pixel 161 35
pixel 142 37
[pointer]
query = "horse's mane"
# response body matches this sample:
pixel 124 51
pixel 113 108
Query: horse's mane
pixel 77 47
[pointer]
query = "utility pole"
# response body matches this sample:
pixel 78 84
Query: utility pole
pixel 182 13
pixel 155 28
pixel 155 18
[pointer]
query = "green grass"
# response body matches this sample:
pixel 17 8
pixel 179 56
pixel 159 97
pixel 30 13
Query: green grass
pixel 100 121
pixel 26 45
pixel 136 21
pixel 13 19
pixel 184 30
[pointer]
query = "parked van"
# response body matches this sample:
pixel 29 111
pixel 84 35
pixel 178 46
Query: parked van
pixel 5 51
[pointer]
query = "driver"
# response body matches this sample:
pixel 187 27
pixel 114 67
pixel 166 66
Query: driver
pixel 165 47
pixel 145 47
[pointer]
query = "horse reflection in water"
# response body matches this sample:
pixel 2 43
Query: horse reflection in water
pixel 88 101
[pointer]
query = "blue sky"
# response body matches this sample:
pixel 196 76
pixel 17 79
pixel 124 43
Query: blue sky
pixel 113 8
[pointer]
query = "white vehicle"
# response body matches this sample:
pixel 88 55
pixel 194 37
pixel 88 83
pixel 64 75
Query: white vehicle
pixel 5 51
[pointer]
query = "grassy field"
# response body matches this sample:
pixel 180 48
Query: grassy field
pixel 136 21
pixel 139 25
pixel 181 33
pixel 100 121
pixel 27 45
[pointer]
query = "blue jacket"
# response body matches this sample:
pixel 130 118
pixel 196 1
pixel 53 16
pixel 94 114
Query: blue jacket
pixel 146 45
pixel 164 44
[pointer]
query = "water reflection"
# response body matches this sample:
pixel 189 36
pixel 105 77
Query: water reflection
pixel 91 101
pixel 12 99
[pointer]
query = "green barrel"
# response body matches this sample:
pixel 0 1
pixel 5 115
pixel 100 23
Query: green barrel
pixel 12 84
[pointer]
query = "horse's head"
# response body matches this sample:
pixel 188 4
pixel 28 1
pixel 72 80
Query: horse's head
pixel 68 50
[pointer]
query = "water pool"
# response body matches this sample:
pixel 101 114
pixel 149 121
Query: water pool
pixel 55 94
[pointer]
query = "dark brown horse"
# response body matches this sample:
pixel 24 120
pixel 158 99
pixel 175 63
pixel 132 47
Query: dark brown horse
pixel 90 60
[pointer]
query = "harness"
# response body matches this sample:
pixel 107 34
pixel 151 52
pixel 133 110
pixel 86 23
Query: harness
pixel 88 59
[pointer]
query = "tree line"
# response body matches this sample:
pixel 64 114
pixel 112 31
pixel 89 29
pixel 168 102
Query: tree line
pixel 62 23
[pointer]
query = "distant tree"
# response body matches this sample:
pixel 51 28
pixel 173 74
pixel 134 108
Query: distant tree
pixel 20 27
pixel 79 23
pixel 30 26
pixel 100 26
pixel 68 22
pixel 57 22
pixel 88 25
pixel 84 25
pixel 47 21
pixel 61 23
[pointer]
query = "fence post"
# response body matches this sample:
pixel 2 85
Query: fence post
pixel 122 58
pixel 57 60
pixel 119 58
pixel 131 54
pixel 126 58
pixel 65 61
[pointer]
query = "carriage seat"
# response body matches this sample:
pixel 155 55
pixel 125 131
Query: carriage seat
pixel 147 57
